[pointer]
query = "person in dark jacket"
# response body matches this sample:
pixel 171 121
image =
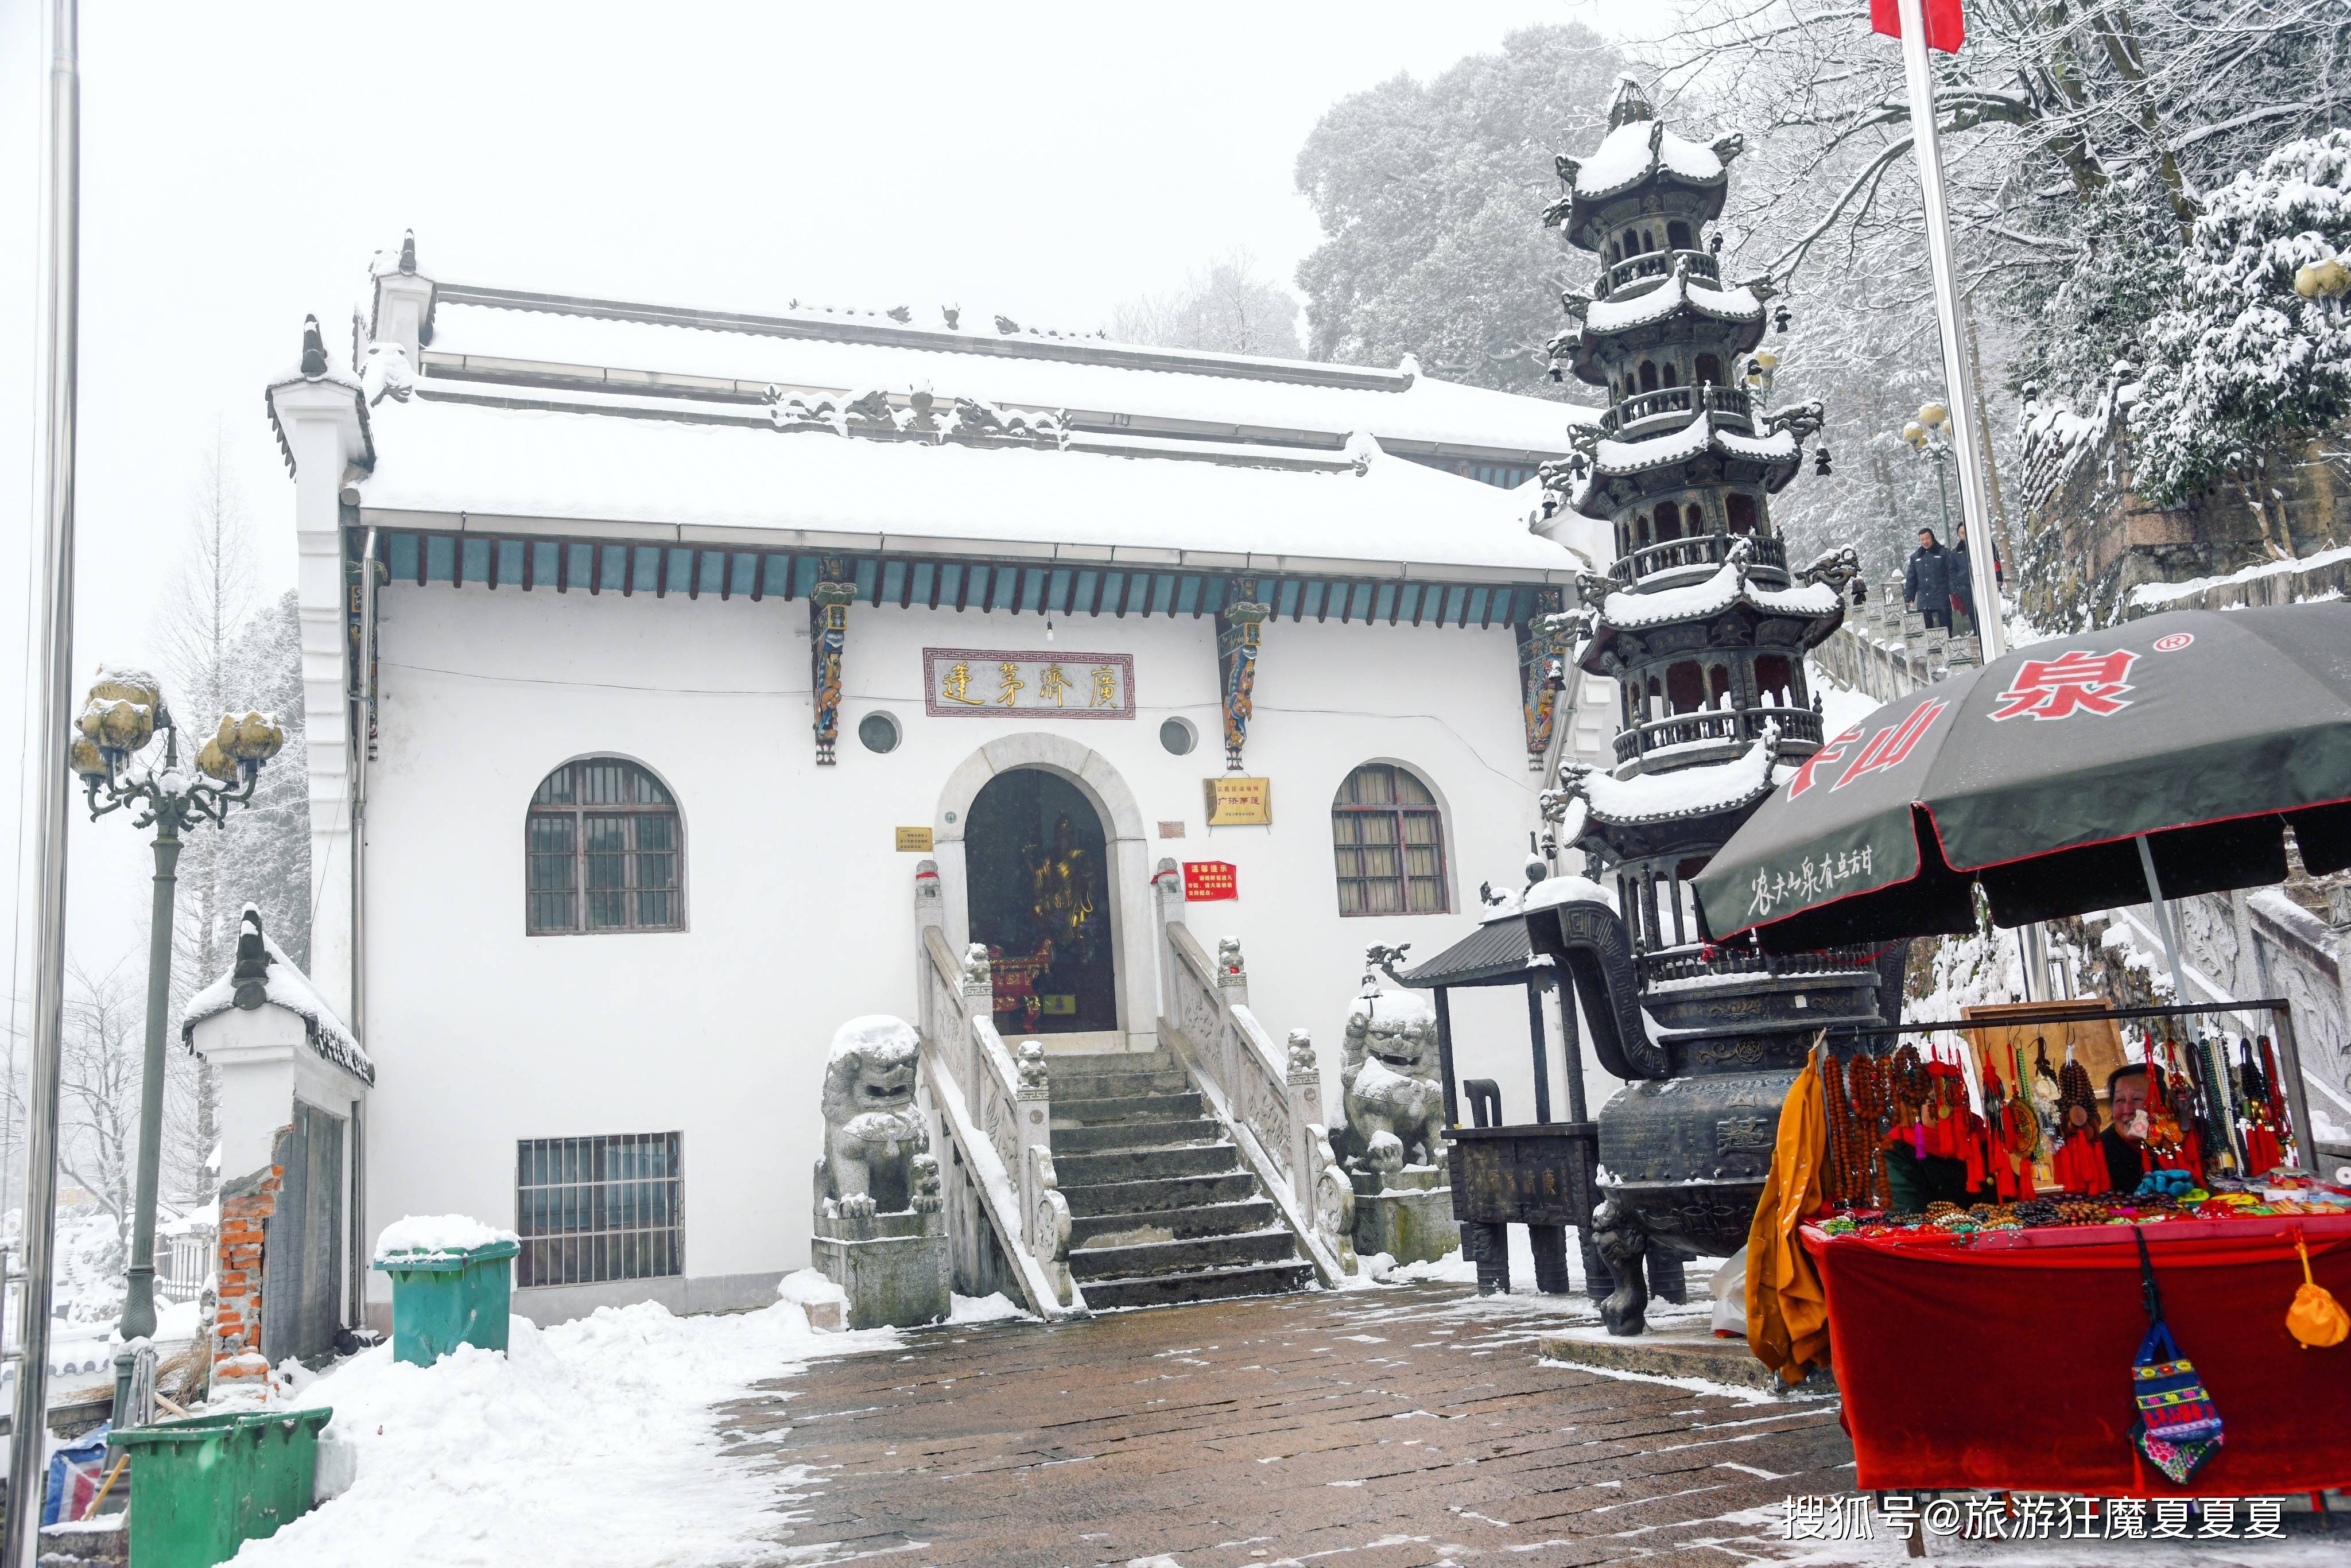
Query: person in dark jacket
pixel 1927 584
pixel 2124 1143
pixel 1963 581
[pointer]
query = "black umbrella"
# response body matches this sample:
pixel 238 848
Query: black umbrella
pixel 2154 759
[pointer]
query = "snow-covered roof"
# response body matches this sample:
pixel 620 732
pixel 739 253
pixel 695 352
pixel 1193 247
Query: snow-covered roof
pixel 1776 451
pixel 283 986
pixel 1728 585
pixel 1637 148
pixel 1689 792
pixel 517 461
pixel 515 338
pixel 1678 293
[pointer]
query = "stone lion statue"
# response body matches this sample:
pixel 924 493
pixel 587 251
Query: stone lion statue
pixel 1394 1098
pixel 876 1158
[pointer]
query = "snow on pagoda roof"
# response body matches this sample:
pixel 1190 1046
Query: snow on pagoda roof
pixel 488 334
pixel 1679 292
pixel 1689 792
pixel 547 463
pixel 1637 148
pixel 1630 608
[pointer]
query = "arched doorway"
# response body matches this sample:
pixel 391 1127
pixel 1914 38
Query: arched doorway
pixel 1037 895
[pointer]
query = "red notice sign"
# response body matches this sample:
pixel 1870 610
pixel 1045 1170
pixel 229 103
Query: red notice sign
pixel 1208 881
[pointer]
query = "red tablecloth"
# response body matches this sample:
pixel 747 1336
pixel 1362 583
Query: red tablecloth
pixel 2002 1361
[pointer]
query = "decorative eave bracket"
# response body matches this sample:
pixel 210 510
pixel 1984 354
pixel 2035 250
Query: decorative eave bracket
pixel 827 632
pixel 1239 626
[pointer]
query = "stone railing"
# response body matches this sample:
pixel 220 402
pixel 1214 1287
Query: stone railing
pixel 1769 554
pixel 1657 404
pixel 1657 264
pixel 1886 651
pixel 1269 1098
pixel 1738 725
pixel 997 1113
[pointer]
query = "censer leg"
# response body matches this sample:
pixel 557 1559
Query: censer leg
pixel 1489 1247
pixel 1666 1278
pixel 1550 1243
pixel 1598 1282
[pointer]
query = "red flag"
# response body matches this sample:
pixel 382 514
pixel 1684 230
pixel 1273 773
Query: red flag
pixel 1947 28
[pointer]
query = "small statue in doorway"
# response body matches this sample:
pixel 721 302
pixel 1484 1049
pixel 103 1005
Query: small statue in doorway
pixel 1062 878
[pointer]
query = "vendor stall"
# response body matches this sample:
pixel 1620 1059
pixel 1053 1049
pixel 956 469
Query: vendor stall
pixel 2158 1236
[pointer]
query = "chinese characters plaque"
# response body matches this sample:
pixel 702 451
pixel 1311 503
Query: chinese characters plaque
pixel 998 683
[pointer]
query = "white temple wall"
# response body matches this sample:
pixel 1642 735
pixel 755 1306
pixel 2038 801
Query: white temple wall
pixel 798 911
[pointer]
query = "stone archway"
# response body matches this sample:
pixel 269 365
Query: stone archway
pixel 1127 867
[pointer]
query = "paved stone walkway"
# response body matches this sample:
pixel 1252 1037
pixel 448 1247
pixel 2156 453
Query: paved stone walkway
pixel 1405 1425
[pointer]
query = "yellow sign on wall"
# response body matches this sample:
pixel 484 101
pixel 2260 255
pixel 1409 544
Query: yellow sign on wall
pixel 1235 802
pixel 914 840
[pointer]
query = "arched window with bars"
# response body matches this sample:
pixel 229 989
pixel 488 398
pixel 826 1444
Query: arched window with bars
pixel 604 851
pixel 1388 833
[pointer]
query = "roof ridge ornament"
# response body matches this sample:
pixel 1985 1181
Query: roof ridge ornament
pixel 1630 104
pixel 314 348
pixel 251 974
pixel 408 250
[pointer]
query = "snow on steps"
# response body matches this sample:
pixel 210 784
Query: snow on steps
pixel 1162 1210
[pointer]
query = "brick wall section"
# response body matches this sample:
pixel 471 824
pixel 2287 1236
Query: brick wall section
pixel 245 1206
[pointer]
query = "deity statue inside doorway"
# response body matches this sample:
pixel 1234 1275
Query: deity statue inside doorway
pixel 1061 879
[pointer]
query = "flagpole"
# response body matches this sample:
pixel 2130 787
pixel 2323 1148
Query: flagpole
pixel 28 1460
pixel 1959 375
pixel 1959 391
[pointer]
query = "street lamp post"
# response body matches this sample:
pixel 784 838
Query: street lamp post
pixel 124 715
pixel 1929 435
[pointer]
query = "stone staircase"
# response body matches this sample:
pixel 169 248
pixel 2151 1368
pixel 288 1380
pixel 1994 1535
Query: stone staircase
pixel 1162 1209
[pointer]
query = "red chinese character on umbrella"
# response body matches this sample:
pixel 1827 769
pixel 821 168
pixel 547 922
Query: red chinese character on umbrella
pixel 2075 682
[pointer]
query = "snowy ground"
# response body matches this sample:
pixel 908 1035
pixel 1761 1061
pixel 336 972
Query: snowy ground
pixel 589 1444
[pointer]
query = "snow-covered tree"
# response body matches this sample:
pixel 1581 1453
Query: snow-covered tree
pixel 223 653
pixel 1227 306
pixel 2243 365
pixel 1430 197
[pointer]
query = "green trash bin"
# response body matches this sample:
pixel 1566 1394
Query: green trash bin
pixel 443 1299
pixel 203 1487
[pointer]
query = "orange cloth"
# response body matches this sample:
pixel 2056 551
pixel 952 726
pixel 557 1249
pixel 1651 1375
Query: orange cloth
pixel 1787 1312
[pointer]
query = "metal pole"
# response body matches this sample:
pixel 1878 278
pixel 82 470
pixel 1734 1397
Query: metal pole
pixel 139 1294
pixel 27 1449
pixel 2163 926
pixel 1959 379
pixel 1541 1049
pixel 355 1218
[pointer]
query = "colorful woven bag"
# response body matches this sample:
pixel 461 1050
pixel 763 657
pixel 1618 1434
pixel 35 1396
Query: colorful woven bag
pixel 2178 1425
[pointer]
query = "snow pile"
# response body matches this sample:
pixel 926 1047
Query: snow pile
pixel 1409 1007
pixel 436 1236
pixel 589 1444
pixel 1548 893
pixel 874 1037
pixel 2147 595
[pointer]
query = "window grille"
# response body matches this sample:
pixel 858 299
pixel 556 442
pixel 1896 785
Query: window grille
pixel 601 849
pixel 589 1210
pixel 1389 837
